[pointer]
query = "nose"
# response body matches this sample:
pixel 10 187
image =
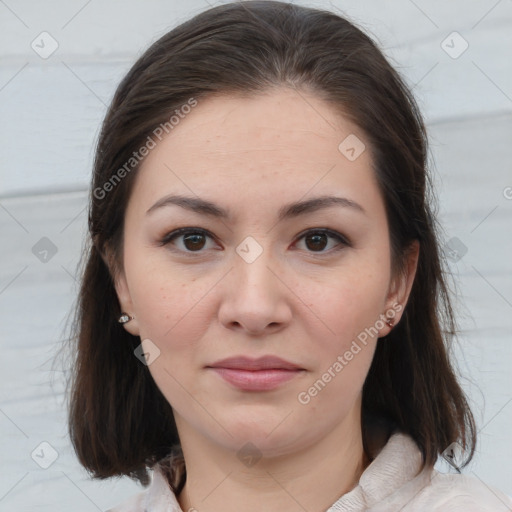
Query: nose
pixel 255 298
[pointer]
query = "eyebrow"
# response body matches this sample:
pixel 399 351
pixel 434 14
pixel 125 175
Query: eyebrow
pixel 288 211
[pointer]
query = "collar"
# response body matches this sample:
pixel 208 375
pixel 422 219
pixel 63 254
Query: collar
pixel 397 464
pixel 395 467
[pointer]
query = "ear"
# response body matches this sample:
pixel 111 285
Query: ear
pixel 122 290
pixel 401 285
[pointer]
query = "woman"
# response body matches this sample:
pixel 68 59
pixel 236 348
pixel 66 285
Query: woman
pixel 263 316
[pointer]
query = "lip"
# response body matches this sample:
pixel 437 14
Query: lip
pixel 261 374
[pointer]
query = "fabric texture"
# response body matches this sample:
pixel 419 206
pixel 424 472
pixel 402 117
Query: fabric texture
pixel 392 482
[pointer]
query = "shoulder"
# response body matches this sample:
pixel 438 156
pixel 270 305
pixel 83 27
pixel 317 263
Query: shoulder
pixel 397 480
pixel 158 497
pixel 135 503
pixel 459 493
pixel 132 504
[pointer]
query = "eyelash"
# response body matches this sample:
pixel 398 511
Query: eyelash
pixel 343 241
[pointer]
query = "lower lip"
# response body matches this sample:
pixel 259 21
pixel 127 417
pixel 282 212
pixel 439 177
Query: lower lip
pixel 257 380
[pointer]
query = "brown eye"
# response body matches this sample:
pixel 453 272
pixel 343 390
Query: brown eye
pixel 317 241
pixel 187 240
pixel 194 241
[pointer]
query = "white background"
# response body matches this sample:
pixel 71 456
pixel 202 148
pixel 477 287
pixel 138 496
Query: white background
pixel 51 110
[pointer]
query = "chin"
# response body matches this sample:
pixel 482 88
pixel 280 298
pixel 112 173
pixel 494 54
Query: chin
pixel 273 432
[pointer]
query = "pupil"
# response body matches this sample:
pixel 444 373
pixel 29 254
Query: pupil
pixel 196 239
pixel 316 239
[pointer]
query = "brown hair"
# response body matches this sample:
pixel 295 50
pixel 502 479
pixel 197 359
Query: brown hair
pixel 119 421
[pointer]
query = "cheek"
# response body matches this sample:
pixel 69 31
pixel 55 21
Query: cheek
pixel 349 307
pixel 346 302
pixel 172 312
pixel 164 294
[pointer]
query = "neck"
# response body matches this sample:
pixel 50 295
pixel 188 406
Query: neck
pixel 311 479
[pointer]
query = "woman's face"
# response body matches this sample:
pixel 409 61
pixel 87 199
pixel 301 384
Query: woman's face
pixel 255 275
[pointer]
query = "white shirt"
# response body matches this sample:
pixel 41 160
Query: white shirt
pixel 392 482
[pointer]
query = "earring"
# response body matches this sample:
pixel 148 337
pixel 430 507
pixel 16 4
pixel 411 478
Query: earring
pixel 125 318
pixel 390 323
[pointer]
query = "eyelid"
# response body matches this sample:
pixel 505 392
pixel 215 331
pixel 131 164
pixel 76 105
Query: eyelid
pixel 342 239
pixel 167 238
pixel 332 233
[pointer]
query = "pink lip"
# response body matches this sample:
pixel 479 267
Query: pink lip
pixel 262 374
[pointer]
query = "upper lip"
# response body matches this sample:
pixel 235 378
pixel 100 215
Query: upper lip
pixel 261 363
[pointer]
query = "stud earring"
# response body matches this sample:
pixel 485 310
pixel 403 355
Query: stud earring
pixel 390 323
pixel 125 318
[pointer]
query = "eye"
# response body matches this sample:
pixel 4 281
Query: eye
pixel 318 239
pixel 193 239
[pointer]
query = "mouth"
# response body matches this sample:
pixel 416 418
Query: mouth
pixel 262 374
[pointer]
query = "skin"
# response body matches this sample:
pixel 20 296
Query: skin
pixel 301 300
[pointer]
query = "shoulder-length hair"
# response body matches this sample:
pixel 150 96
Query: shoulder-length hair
pixel 119 421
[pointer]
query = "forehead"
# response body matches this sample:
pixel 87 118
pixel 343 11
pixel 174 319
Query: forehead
pixel 280 143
